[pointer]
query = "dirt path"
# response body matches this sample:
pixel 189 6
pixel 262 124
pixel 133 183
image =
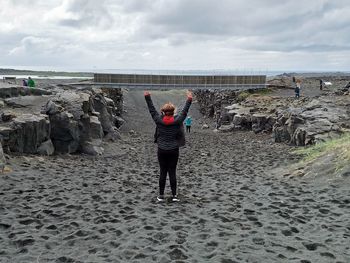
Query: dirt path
pixel 234 209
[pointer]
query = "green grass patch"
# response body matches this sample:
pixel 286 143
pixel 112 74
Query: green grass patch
pixel 258 92
pixel 243 95
pixel 340 147
pixel 264 91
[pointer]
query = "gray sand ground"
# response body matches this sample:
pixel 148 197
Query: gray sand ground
pixel 235 207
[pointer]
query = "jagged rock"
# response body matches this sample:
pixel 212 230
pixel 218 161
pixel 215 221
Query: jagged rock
pixel 106 118
pixel 7 116
pixel 76 103
pixel 319 120
pixel 213 101
pixel 46 148
pixel 75 121
pixel 262 122
pixel 226 128
pixel 100 105
pixel 2 159
pixel 242 122
pixel 116 95
pixel 91 135
pixel 8 92
pixel 15 91
pixel 113 135
pixel 80 121
pixel 258 122
pixel 205 126
pixel 26 133
pixel 65 133
pixel 91 148
pixel 52 108
pixel 283 82
pixel 118 121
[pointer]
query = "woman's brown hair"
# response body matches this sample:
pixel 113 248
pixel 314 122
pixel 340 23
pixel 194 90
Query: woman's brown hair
pixel 168 109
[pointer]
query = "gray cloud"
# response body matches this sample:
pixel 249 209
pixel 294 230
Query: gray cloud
pixel 84 13
pixel 207 19
pixel 176 33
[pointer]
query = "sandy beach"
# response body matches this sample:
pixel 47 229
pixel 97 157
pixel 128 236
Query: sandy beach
pixel 237 202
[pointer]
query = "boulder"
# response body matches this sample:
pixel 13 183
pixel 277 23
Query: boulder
pixel 26 133
pixel 258 122
pixel 242 122
pixel 92 148
pixel 46 148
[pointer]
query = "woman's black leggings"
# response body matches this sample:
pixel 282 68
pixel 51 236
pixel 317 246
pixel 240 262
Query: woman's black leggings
pixel 167 162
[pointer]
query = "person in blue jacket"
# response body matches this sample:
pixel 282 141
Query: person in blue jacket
pixel 188 123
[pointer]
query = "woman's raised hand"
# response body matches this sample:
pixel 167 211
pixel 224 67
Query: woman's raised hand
pixel 189 95
pixel 146 93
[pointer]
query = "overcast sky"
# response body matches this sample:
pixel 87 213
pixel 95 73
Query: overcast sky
pixel 307 35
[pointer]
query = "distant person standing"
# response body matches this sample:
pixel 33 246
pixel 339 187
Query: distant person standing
pixel 24 83
pixel 321 84
pixel 31 82
pixel 188 123
pixel 297 89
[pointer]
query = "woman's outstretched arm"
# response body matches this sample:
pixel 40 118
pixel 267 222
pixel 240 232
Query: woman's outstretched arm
pixel 183 113
pixel 152 110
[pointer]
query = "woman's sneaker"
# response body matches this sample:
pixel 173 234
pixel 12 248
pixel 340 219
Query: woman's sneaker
pixel 175 198
pixel 160 198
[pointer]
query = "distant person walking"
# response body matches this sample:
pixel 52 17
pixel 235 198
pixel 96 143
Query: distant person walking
pixel 297 89
pixel 188 123
pixel 31 83
pixel 167 137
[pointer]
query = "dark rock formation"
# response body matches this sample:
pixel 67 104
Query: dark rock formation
pixel 70 121
pixel 26 133
pixel 212 101
pixel 297 122
pixel 15 91
pixel 116 95
pixel 281 82
pixel 2 159
pixel 71 117
pixel 321 119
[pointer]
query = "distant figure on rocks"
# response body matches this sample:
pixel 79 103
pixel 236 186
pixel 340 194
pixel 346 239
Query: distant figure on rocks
pixel 321 84
pixel 31 82
pixel 24 83
pixel 297 89
pixel 167 138
pixel 188 123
